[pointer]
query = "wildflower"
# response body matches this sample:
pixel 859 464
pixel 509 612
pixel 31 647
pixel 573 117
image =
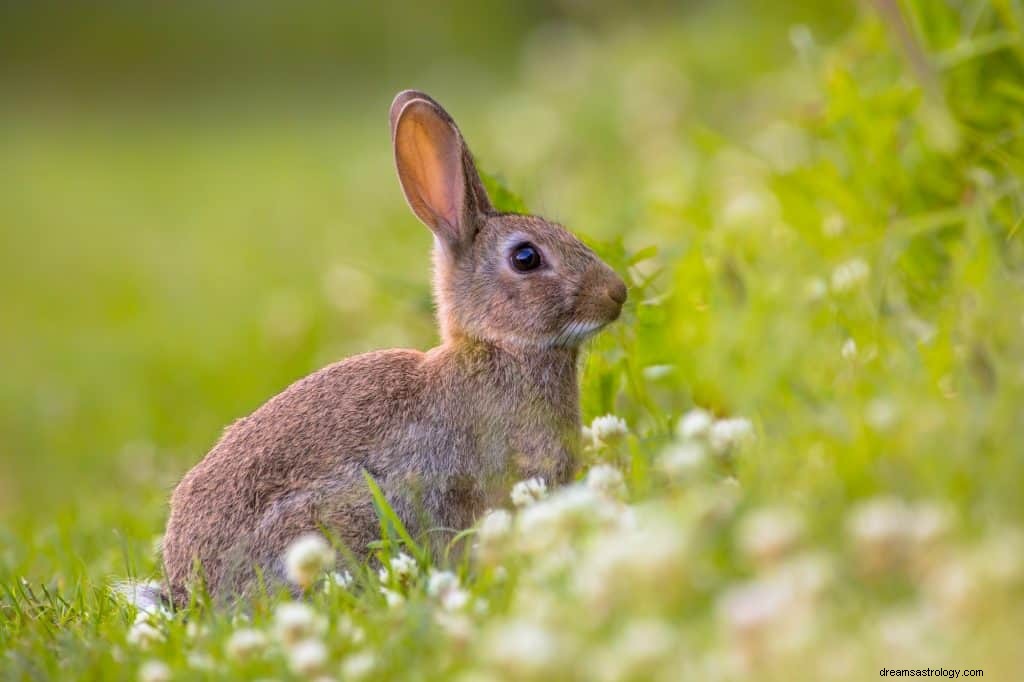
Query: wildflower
pixel 245 644
pixel 307 558
pixel 637 653
pixel 144 634
pixel 879 529
pixel 930 524
pixel 728 433
pixel 849 275
pixel 401 569
pixel 393 598
pixel 849 349
pixel 768 534
pixel 441 582
pixel 307 657
pixel 296 621
pixel 545 524
pixel 495 526
pixel 525 493
pixel 695 424
pixel 682 459
pixel 200 661
pixel 338 579
pixel 154 671
pixel 606 480
pixel 765 613
pixel 444 586
pixel 348 629
pixel 457 626
pixel 522 649
pixel 628 561
pixel 358 665
pixel 608 429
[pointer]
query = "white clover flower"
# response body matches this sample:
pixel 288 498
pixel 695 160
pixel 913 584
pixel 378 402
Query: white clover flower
pixel 682 460
pixel 809 574
pixel 392 597
pixel 245 644
pixel 297 621
pixel 930 524
pixel 849 349
pixel 444 586
pixel 728 433
pixel 307 657
pixel 194 630
pixel 695 424
pixel 525 493
pixel 880 530
pixel 456 625
pixel 756 609
pixel 358 666
pixel 606 480
pixel 307 558
pixel 200 661
pixel 154 671
pixel 631 561
pixel 547 524
pixel 522 649
pixel 145 635
pixel 403 567
pixel 768 534
pixel 440 582
pixel 338 580
pixel 638 652
pixel 608 429
pixel 850 275
pixel 348 629
pixel 495 526
pixel 455 600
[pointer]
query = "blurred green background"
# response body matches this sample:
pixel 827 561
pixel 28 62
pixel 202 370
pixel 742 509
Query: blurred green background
pixel 818 206
pixel 198 206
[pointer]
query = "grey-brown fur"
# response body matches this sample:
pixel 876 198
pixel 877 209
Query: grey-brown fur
pixel 443 432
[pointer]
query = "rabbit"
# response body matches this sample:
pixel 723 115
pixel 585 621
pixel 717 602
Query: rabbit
pixel 443 432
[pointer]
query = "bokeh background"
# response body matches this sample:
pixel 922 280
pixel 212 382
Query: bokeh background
pixel 200 206
pixel 818 205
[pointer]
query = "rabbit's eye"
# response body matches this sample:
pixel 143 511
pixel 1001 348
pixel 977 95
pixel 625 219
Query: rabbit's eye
pixel 525 257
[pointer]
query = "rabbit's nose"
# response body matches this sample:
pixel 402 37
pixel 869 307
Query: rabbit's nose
pixel 617 291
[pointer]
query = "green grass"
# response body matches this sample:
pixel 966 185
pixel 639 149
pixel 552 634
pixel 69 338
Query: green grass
pixel 819 238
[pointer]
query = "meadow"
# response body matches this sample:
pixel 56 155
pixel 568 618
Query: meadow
pixel 804 448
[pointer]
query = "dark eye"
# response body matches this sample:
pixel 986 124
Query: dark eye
pixel 525 257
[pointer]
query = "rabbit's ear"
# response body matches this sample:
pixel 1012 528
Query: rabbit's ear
pixel 436 170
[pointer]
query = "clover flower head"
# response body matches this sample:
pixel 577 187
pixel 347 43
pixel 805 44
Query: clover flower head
pixel 307 558
pixel 525 493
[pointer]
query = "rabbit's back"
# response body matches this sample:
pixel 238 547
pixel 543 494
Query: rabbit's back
pixel 296 464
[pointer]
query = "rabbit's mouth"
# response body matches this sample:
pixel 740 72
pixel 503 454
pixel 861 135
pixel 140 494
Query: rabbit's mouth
pixel 576 332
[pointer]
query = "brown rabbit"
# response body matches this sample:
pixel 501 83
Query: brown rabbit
pixel 442 432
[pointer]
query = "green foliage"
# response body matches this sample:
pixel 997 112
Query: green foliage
pixel 827 242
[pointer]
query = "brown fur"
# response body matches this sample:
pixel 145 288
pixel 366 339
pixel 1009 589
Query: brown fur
pixel 443 432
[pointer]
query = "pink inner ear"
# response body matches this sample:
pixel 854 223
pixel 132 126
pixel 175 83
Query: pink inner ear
pixel 429 158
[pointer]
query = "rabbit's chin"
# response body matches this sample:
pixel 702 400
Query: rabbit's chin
pixel 575 333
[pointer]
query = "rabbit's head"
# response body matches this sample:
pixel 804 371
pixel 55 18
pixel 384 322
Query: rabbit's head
pixel 499 277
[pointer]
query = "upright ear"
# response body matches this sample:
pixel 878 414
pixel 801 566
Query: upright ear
pixel 436 170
